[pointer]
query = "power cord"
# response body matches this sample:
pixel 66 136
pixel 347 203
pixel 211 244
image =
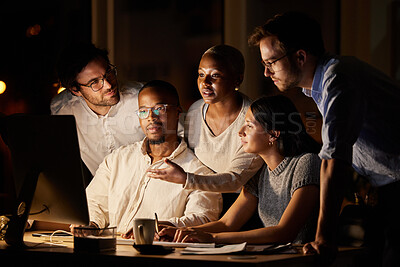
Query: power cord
pixel 55 243
pixel 55 232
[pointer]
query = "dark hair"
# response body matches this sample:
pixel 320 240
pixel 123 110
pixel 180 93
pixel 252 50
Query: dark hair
pixel 294 31
pixel 165 87
pixel 279 113
pixel 232 56
pixel 74 58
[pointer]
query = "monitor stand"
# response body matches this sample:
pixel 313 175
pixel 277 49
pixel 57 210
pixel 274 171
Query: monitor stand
pixel 16 226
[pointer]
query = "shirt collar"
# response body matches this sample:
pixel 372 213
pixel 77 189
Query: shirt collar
pixel 281 166
pixel 316 87
pixel 180 149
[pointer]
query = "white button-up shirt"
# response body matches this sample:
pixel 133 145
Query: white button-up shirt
pixel 121 190
pixel 99 135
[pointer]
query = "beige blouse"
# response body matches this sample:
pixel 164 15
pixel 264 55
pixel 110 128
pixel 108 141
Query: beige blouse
pixel 223 154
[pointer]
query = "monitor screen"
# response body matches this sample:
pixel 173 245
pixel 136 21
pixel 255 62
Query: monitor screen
pixel 47 170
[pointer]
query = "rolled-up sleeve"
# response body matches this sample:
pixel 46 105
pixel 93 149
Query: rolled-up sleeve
pixel 243 167
pixel 201 207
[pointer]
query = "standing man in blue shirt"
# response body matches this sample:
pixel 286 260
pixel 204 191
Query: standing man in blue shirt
pixel 360 109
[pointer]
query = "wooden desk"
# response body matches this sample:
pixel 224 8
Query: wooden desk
pixel 126 254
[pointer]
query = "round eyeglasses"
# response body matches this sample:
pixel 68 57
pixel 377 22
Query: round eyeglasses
pixel 97 84
pixel 160 109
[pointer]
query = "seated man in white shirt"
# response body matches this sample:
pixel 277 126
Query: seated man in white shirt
pixel 104 114
pixel 121 190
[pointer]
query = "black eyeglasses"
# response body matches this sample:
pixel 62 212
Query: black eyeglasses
pixel 160 109
pixel 269 66
pixel 97 84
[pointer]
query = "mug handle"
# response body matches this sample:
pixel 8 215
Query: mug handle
pixel 141 234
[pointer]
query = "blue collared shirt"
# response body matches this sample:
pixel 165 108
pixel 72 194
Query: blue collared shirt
pixel 360 107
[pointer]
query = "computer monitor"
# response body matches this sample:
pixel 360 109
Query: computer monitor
pixel 47 170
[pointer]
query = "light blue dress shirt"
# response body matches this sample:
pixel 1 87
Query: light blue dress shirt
pixel 360 107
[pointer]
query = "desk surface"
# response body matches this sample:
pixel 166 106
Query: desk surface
pixel 127 254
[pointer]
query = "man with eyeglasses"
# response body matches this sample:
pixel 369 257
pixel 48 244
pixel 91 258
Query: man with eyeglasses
pixel 121 189
pixel 104 114
pixel 360 110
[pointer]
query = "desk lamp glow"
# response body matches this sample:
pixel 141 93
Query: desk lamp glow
pixel 2 87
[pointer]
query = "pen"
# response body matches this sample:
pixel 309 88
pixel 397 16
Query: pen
pixel 155 214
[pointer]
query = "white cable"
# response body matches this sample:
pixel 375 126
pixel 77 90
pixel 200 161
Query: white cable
pixel 55 232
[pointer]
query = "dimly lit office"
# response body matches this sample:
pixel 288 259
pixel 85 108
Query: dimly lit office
pixel 218 132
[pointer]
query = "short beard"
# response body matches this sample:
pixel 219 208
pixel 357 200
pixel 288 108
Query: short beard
pixel 157 142
pixel 295 73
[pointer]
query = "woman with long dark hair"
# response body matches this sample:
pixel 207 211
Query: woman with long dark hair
pixel 286 191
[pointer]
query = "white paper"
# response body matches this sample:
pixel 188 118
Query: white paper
pixel 122 241
pixel 220 250
pixel 270 248
pixel 184 245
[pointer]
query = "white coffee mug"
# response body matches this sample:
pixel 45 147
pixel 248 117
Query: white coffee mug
pixel 143 231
